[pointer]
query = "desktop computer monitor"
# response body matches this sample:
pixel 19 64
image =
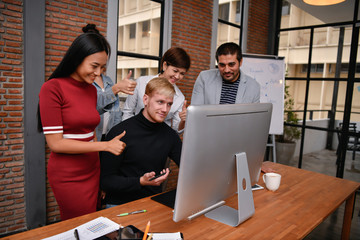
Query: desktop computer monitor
pixel 213 135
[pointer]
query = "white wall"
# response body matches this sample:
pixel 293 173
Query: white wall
pixel 315 140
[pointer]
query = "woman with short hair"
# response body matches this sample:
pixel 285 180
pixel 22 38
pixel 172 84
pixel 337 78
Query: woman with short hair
pixel 174 65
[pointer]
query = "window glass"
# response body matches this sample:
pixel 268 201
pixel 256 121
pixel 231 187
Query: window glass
pixel 139 31
pixel 139 67
pixel 238 12
pixel 230 11
pixel 355 108
pixel 295 38
pixel 296 58
pixel 132 30
pixel 229 31
pixel 315 68
pixel 143 71
pixel 146 29
pixel 345 68
pixel 224 11
pixel 285 9
pixel 320 100
pixel 296 91
pixel 139 26
pixel 325 91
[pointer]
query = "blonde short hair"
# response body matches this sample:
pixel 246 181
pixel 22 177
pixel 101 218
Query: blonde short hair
pixel 161 86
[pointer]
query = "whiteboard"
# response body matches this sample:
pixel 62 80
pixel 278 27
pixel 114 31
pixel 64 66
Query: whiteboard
pixel 269 72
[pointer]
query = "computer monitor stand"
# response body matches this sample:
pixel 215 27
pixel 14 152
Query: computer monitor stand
pixel 246 209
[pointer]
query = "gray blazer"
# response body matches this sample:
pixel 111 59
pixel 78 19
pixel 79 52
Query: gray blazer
pixel 207 89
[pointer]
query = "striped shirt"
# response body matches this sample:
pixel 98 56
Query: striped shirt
pixel 229 91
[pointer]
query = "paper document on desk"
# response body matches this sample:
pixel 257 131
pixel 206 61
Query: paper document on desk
pixel 167 236
pixel 90 230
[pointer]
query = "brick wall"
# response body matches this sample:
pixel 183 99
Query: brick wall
pixel 191 30
pixel 258 26
pixel 64 21
pixel 12 201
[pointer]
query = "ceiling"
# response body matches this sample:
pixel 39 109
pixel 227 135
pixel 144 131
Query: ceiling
pixel 341 12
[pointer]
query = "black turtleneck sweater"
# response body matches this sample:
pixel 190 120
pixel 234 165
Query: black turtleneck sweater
pixel 148 145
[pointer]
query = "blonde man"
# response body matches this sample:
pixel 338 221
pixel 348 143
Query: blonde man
pixel 149 142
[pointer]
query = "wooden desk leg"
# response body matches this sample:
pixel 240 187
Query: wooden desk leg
pixel 349 208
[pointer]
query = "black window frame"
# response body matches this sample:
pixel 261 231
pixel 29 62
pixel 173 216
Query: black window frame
pixel 350 80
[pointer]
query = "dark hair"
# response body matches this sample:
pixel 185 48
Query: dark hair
pixel 177 57
pixel 229 48
pixel 90 28
pixel 88 43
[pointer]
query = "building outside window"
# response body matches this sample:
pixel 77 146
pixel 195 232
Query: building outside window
pixel 229 21
pixel 146 29
pixel 285 9
pixel 345 68
pixel 132 31
pixel 294 46
pixel 139 35
pixel 315 68
pixel 224 11
pixel 143 71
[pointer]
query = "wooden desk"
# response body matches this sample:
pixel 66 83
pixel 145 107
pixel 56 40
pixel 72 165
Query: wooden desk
pixel 302 202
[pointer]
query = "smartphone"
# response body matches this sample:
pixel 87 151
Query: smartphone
pixel 130 232
pixel 156 176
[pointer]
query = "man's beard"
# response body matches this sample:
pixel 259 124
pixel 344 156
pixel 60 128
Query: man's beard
pixel 233 79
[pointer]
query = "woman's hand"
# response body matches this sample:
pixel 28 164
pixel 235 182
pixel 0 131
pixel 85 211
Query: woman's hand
pixel 115 146
pixel 126 85
pixel 182 116
pixel 183 112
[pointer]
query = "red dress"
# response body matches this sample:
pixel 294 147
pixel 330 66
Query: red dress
pixel 68 106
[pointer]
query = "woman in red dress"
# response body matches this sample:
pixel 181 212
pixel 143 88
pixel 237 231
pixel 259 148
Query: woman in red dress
pixel 68 117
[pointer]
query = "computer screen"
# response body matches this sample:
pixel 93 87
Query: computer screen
pixel 213 135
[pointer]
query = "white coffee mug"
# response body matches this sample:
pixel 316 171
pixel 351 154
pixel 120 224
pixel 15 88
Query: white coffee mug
pixel 272 181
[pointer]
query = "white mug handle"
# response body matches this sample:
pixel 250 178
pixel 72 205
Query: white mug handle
pixel 264 178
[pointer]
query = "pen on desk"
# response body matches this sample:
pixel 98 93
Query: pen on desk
pixel 146 230
pixel 134 212
pixel 76 234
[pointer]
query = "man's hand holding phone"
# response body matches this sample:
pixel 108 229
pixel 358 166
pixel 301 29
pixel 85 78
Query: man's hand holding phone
pixel 154 179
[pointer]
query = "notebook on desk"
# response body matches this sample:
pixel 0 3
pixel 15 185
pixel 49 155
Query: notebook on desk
pixel 166 198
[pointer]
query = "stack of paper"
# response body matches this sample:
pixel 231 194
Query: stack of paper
pixel 166 236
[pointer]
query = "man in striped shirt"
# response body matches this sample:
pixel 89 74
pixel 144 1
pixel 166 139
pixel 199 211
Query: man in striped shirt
pixel 227 84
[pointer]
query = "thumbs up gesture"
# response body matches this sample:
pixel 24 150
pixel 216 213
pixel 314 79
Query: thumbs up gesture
pixel 182 116
pixel 183 112
pixel 115 145
pixel 126 85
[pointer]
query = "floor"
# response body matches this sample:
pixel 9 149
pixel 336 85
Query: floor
pixel 325 162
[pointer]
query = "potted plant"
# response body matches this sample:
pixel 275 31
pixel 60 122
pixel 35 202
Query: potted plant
pixel 286 143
